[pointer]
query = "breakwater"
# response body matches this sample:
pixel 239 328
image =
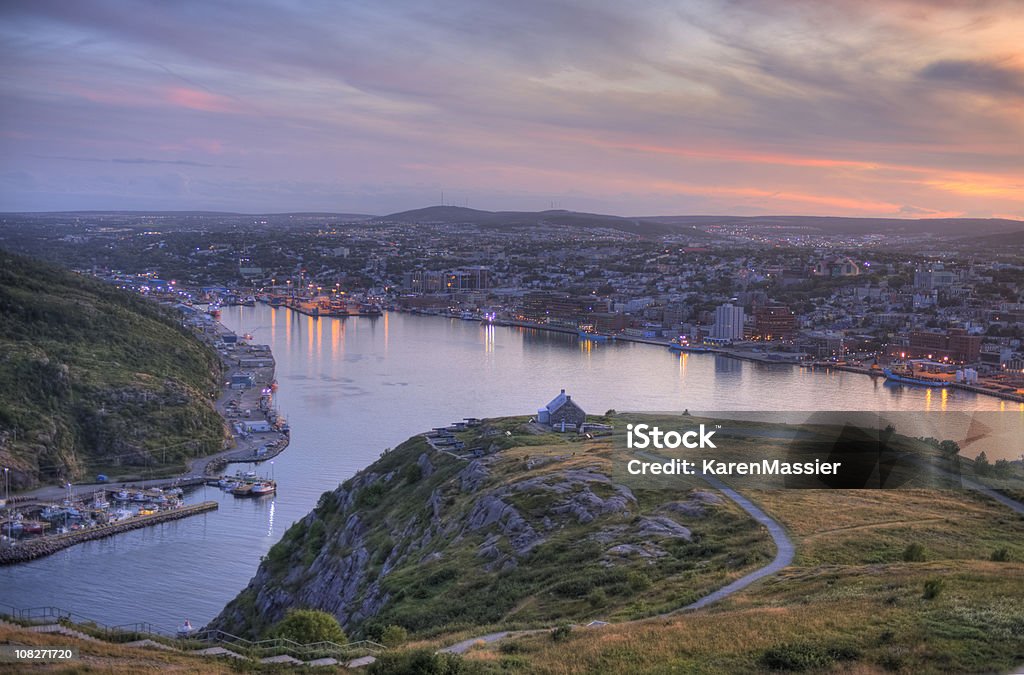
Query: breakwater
pixel 31 549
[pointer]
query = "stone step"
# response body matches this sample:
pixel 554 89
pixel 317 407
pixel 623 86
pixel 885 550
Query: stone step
pixel 217 651
pixel 146 642
pixel 62 630
pixel 328 661
pixel 281 658
pixel 360 662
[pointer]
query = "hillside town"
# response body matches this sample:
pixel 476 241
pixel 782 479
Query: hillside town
pixel 934 310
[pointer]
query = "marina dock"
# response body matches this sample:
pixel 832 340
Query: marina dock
pixel 30 549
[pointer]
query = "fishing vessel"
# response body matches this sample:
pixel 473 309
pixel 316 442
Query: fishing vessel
pixel 265 488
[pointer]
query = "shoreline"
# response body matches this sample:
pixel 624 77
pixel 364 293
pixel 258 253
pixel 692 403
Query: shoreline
pixel 246 448
pixel 754 357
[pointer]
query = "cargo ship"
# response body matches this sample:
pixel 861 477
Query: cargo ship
pixel 910 377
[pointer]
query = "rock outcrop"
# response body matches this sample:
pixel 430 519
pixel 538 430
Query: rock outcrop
pixel 459 540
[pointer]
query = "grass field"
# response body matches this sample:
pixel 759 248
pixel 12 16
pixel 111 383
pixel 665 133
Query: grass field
pixel 849 604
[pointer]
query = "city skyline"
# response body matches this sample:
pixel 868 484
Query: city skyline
pixel 908 109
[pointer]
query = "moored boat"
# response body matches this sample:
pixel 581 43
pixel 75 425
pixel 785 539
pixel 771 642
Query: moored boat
pixel 265 488
pixel 593 337
pixel 689 348
pixel 909 377
pixel 243 490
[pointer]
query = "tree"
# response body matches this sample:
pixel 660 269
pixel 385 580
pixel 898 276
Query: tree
pixel 307 626
pixel 393 636
pixel 981 465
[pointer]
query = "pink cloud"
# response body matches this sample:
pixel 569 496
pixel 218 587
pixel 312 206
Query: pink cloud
pixel 197 99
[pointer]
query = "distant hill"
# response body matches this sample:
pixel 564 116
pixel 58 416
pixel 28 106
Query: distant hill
pixel 1006 240
pixel 96 380
pixel 694 225
pixel 202 214
pixel 456 215
pixel 947 227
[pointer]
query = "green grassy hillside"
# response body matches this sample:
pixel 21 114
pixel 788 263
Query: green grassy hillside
pixel 545 530
pixel 94 379
pixel 534 533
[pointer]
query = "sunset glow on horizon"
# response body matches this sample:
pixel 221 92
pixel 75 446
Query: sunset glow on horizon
pixel 908 109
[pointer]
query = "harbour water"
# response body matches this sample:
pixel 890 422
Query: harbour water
pixel 352 387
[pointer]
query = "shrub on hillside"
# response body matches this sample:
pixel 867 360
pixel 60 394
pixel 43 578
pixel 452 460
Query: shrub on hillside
pixel 913 553
pixel 307 626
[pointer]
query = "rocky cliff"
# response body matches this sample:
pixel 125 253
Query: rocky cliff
pixel 532 530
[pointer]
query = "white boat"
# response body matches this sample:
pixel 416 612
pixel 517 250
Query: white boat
pixel 265 488
pixel 50 512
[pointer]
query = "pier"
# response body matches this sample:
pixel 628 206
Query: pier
pixel 30 549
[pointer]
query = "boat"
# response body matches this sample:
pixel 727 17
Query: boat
pixel 909 377
pixel 689 348
pixel 243 490
pixel 51 512
pixel 32 527
pixel 265 488
pixel 593 337
pixel 139 497
pixel 122 496
pixel 100 502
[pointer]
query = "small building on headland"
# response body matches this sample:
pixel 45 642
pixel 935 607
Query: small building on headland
pixel 562 413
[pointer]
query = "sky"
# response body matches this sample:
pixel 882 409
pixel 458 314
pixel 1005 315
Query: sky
pixel 901 108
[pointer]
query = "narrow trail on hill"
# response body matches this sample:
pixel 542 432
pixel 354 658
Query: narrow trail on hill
pixel 785 551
